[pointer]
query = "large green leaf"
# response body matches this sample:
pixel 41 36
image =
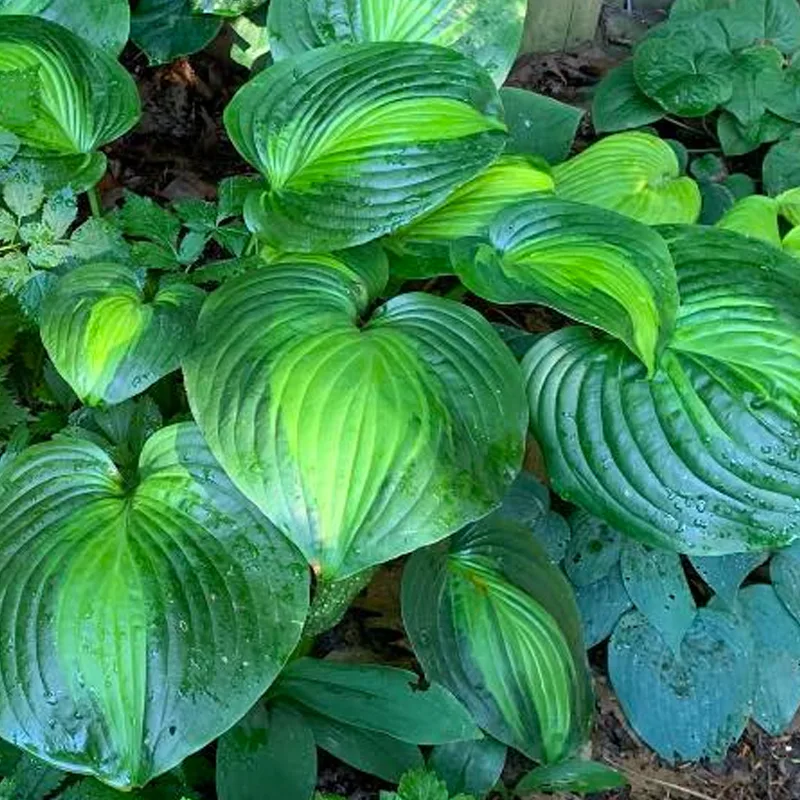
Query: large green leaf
pixel 689 705
pixel 635 174
pixel 104 23
pixel 487 31
pixel 686 67
pixel 144 612
pixel 752 67
pixel 271 750
pixel 494 620
pixel 108 338
pixel 422 248
pixel 377 698
pixel 703 456
pixel 594 265
pixel 225 8
pixel 619 103
pixel 361 438
pixel 782 166
pixel 357 141
pixel 77 98
pixel 472 767
pixel 725 574
pixel 755 216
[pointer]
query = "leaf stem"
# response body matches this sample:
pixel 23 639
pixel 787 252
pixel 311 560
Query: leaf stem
pixel 94 202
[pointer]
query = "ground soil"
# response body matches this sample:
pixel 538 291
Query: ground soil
pixel 180 150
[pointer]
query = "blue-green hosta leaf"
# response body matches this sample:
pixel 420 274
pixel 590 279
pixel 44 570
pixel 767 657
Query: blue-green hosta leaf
pixel 472 768
pixel 362 439
pixel 422 249
pixel 785 573
pixel 725 574
pixel 635 174
pixel 687 706
pixel 594 265
pixel 656 584
pixel 81 98
pixel 170 605
pixel 377 698
pixel 167 29
pixel 271 750
pixel 107 339
pixel 54 171
pixel 358 141
pixel 487 31
pixel 539 125
pixel 619 104
pixel 702 457
pixel 103 23
pixel 593 551
pixel 686 67
pixel 601 604
pixel 491 618
pixel 776 643
pixel 755 216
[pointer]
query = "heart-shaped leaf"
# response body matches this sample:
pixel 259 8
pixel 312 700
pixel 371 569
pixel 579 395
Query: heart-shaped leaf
pixel 725 574
pixel 703 457
pixel 619 103
pixel 144 613
pixel 76 98
pixel 491 618
pixel 691 705
pixel 108 339
pixel 594 265
pixel 357 141
pixel 601 604
pixel 635 174
pixel 362 439
pixel 487 31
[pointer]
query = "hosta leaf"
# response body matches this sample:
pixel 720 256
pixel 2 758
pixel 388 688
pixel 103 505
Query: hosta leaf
pixel 601 604
pixel 635 174
pixel 167 29
pixel 83 98
pixel 776 642
pixel 54 171
pixel 469 767
pixel 656 584
pixel 422 248
pixel 619 104
pixel 377 698
pixel 785 573
pixel 686 67
pixel 782 166
pixel 539 125
pixel 190 601
pixel 791 242
pixel 362 439
pixel 357 141
pixel 491 618
pixel 594 265
pixel 487 31
pixel 225 8
pixel 574 775
pixel 782 91
pixel 754 216
pixel 108 339
pixel 703 457
pixel 9 146
pixel 725 574
pixel 593 551
pixel 687 706
pixel 789 205
pixel 103 23
pixel 717 201
pixel 272 749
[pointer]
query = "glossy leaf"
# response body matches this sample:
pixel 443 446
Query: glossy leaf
pixel 487 31
pixel 688 706
pixel 472 768
pixel 172 603
pixel 593 551
pixel 81 97
pixel 782 166
pixel 601 604
pixel 362 439
pixel 686 67
pixel 358 141
pixel 539 125
pixel 225 8
pixel 785 572
pixel 492 619
pixel 167 29
pixel 776 643
pixel 737 139
pixel 789 205
pixel 377 698
pixel 596 266
pixel 272 749
pixel 782 91
pixel 108 339
pixel 635 174
pixel 658 588
pixel 619 104
pixel 422 248
pixel 725 574
pixel 703 457
pixel 576 775
pixel 752 67
pixel 754 216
